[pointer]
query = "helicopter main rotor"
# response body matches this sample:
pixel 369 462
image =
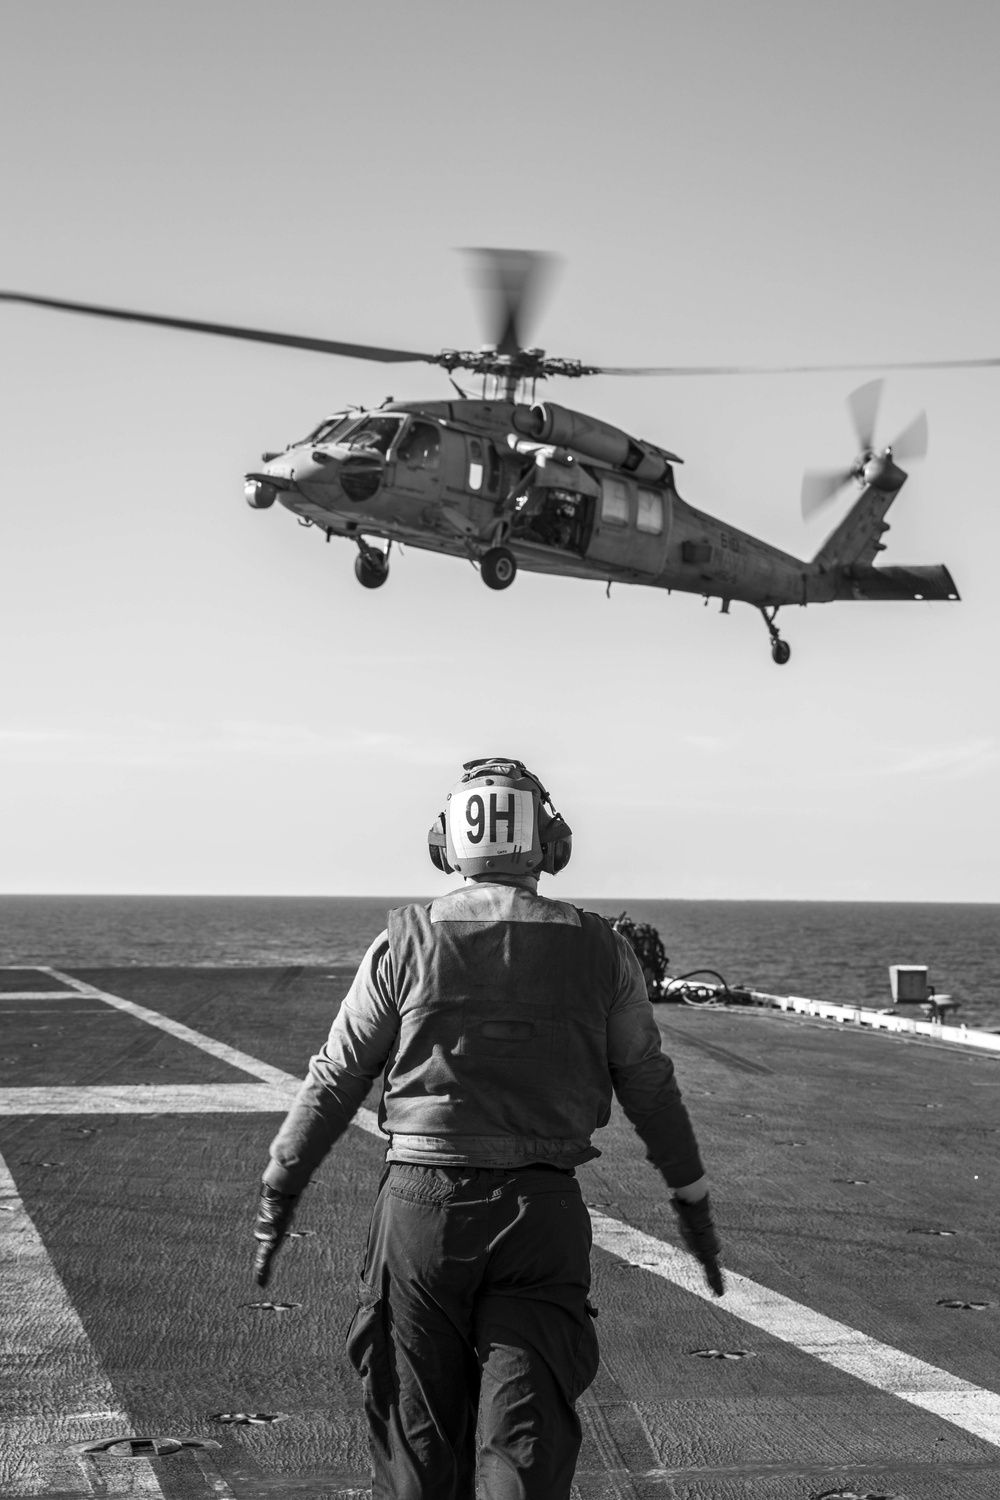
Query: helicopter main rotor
pixel 511 282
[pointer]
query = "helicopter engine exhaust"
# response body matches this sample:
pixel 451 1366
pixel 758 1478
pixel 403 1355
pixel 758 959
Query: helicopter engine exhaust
pixel 548 423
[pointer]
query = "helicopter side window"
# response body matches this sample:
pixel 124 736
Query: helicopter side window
pixel 649 513
pixel 421 446
pixel 374 433
pixel 475 464
pixel 614 501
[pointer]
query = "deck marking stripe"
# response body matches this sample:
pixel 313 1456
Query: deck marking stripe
pixel 890 1370
pixel 887 1369
pixel 39 994
pixel 47 1359
pixel 879 1365
pixel 151 1099
pixel 240 1060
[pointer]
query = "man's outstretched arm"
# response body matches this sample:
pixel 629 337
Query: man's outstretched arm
pixel 361 1040
pixel 646 1087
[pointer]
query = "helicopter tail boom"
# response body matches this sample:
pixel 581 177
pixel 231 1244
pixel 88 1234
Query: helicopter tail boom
pixel 843 567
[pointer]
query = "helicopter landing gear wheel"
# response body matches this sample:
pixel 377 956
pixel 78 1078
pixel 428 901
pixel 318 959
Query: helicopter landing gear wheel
pixel 498 568
pixel 371 567
pixel 780 650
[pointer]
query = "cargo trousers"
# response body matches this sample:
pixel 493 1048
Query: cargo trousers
pixel 473 1301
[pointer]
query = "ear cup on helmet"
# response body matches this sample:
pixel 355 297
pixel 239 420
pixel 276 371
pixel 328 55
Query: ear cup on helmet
pixel 561 851
pixel 557 845
pixel 436 845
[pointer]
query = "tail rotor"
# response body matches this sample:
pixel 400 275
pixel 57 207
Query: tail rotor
pixel 820 486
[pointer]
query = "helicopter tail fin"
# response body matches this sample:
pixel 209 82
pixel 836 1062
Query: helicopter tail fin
pixel 858 538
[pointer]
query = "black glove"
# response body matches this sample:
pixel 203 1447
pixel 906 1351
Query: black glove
pixel 694 1220
pixel 274 1217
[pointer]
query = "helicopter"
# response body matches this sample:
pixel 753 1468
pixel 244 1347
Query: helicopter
pixel 511 482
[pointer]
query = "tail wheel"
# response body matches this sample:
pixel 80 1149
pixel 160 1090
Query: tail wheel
pixel 370 575
pixel 498 568
pixel 780 650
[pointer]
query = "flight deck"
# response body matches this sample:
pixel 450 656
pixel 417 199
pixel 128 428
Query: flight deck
pixel 855 1180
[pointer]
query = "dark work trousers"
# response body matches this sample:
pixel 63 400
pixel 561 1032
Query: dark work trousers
pixel 474 1297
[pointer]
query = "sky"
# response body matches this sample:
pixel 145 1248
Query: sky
pixel 198 698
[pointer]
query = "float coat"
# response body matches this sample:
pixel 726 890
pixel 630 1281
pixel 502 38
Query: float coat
pixel 503 1022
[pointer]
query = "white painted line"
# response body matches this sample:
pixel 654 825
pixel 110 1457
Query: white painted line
pixel 879 1365
pixel 39 995
pixel 970 1407
pixel 151 1099
pixel 241 1060
pixel 55 1390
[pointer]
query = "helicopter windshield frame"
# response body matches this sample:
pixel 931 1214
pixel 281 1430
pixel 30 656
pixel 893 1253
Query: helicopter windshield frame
pixel 384 428
pixel 330 429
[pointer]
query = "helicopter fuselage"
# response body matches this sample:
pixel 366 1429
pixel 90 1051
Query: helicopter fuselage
pixel 461 478
pixel 509 485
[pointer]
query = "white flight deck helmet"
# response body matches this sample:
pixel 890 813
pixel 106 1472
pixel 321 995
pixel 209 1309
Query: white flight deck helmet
pixel 499 820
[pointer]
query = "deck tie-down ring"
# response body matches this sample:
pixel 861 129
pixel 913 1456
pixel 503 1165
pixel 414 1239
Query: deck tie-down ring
pixel 141 1447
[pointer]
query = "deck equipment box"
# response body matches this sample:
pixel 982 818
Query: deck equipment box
pixel 909 983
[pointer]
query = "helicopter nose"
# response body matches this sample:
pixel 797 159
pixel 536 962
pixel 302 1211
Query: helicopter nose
pixel 358 473
pixel 310 466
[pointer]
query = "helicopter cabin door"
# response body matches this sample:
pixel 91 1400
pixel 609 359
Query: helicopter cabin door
pixel 438 463
pixel 631 525
pixel 474 472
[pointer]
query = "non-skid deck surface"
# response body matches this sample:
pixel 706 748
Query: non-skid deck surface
pixel 856 1186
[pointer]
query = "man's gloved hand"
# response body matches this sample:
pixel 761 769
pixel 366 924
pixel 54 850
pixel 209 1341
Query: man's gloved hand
pixel 274 1217
pixel 694 1220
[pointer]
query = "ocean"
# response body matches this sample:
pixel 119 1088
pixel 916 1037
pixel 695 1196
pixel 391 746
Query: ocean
pixel 825 950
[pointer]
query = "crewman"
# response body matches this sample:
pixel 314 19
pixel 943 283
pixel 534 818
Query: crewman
pixel 501 1022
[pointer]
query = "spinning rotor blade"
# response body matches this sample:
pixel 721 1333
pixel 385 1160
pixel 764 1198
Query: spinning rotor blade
pixel 819 487
pixel 912 441
pixel 863 406
pixel 228 330
pixel 919 364
pixel 512 281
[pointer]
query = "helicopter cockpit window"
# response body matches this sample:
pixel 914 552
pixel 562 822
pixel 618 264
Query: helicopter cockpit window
pixel 421 446
pixel 327 431
pixel 614 501
pixel 374 433
pixel 649 514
